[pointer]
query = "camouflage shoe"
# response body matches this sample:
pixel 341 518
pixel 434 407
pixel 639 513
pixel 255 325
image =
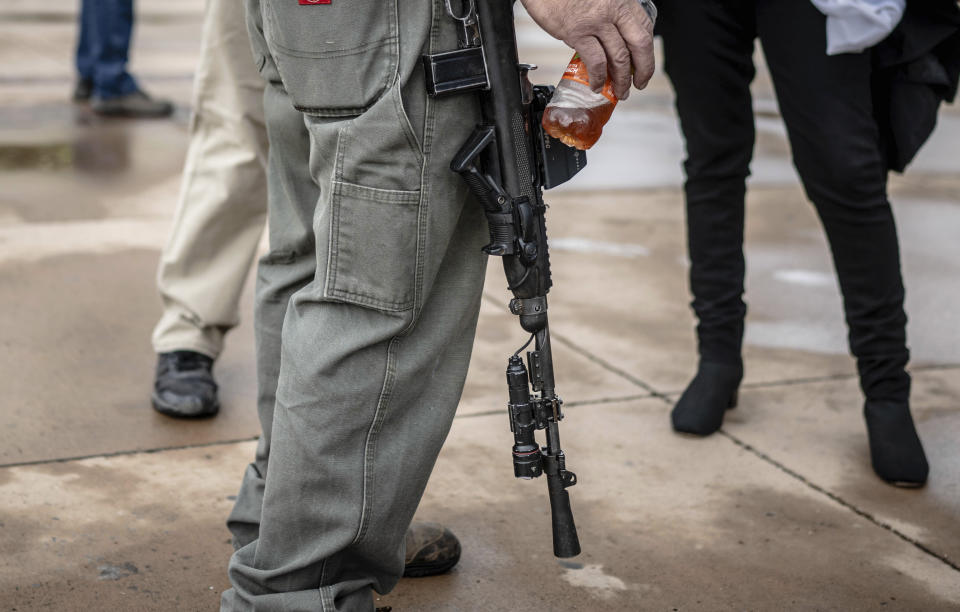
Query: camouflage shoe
pixel 431 549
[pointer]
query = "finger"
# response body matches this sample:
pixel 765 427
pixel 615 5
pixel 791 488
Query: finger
pixel 644 63
pixel 594 58
pixel 618 61
pixel 636 29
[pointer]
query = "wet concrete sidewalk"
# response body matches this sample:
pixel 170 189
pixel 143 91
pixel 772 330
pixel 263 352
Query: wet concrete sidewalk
pixel 106 505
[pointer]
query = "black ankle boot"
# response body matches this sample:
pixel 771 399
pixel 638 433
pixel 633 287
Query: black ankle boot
pixel 709 395
pixel 895 449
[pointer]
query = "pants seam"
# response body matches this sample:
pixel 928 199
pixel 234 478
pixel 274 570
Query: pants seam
pixel 422 213
pixel 331 254
pixel 370 446
pixel 422 222
pixel 391 371
pixel 330 277
pixel 325 603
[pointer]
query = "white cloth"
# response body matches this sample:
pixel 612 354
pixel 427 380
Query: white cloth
pixel 855 25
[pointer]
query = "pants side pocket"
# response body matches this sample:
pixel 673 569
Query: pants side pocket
pixel 374 247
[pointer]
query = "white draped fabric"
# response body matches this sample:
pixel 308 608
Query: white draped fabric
pixel 856 25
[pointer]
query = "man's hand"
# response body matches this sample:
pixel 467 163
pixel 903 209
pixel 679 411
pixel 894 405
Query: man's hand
pixel 610 36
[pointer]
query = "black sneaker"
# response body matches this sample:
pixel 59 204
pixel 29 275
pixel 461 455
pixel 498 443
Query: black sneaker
pixel 134 105
pixel 83 90
pixel 184 386
pixel 431 549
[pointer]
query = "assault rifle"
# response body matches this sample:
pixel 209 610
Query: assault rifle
pixel 508 161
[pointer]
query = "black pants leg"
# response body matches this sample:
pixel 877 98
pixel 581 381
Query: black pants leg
pixel 826 104
pixel 708 56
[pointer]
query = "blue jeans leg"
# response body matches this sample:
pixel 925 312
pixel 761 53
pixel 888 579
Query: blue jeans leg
pixel 104 42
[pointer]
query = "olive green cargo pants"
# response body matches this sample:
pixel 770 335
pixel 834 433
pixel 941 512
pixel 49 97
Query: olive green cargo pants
pixel 366 303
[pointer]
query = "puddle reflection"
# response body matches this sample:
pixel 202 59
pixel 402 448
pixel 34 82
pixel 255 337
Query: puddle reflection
pixel 62 137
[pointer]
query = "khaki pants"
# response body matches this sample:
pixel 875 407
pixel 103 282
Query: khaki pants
pixel 222 208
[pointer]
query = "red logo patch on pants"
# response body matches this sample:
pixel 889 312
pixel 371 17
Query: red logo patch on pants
pixel 308 2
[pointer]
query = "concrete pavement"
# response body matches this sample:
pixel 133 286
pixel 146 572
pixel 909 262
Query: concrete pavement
pixel 106 505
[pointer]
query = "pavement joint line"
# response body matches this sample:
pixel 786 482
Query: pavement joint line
pixel 590 356
pixel 666 395
pixel 935 367
pixel 610 367
pixel 58 17
pixel 837 499
pixel 59 79
pixel 773 462
pixel 834 497
pixel 827 378
pixel 123 453
pixel 607 400
pixel 570 404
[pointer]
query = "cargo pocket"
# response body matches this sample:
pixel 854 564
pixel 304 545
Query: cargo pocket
pixel 335 59
pixel 373 247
